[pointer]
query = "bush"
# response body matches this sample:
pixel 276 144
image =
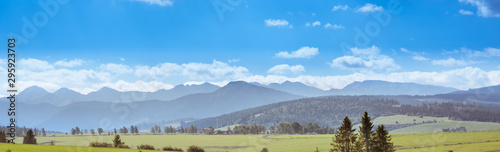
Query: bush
pixel 123 146
pixel 195 149
pixel 148 147
pixel 264 150
pixel 100 144
pixel 52 143
pixel 8 150
pixel 170 148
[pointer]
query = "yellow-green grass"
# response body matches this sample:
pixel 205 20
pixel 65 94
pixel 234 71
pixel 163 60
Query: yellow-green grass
pixel 46 148
pixel 486 141
pixel 437 127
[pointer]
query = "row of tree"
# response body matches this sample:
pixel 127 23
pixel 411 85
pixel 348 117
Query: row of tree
pixel 296 128
pixel 123 130
pixel 366 141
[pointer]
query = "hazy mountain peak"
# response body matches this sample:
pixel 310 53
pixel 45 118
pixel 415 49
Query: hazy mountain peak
pixel 35 90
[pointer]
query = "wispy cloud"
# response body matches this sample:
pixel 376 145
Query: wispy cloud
pixel 416 56
pixel 285 69
pixel 485 8
pixel 465 12
pixel 334 26
pixel 450 62
pixel 340 7
pixel 365 58
pixel 368 7
pixel 72 63
pixel 158 2
pixel 303 52
pixel 277 23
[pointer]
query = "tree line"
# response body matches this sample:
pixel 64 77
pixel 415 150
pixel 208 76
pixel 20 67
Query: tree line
pixel 100 131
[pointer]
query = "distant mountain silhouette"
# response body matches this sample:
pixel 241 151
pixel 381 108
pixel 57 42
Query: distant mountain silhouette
pixel 376 87
pixel 298 89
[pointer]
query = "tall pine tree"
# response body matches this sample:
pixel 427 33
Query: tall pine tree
pixel 3 137
pixel 29 138
pixel 344 140
pixel 365 132
pixel 382 140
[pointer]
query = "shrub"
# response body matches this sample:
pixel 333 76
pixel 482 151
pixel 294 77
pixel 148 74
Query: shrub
pixel 100 144
pixel 170 148
pixel 264 150
pixel 195 149
pixel 123 146
pixel 148 147
pixel 8 150
pixel 52 143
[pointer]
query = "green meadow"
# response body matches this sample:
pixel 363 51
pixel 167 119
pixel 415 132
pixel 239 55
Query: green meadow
pixel 485 141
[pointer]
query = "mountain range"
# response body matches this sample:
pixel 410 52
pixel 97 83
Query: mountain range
pixel 108 108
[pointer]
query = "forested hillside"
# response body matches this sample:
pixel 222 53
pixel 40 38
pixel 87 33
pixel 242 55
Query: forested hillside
pixel 329 111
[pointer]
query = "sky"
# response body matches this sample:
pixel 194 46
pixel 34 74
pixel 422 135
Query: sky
pixel 147 45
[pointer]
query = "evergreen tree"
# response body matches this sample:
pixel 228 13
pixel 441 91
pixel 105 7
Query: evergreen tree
pixel 115 131
pixel 77 130
pixel 73 131
pixel 136 130
pixel 229 130
pixel 43 132
pixel 117 141
pixel 92 131
pixel 100 130
pixel 153 130
pixel 3 137
pixel 365 132
pixel 29 138
pixel 297 128
pixel 345 139
pixel 382 140
pixel 132 130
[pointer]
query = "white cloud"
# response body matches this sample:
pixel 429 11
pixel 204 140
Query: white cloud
pixel 139 85
pixel 485 8
pixel 195 71
pixel 465 78
pixel 416 56
pixel 487 52
pixel 285 69
pixel 464 12
pixel 303 52
pixel 450 62
pixel 315 23
pixel 368 7
pixel 122 59
pixel 72 63
pixel 158 2
pixel 340 7
pixel 367 58
pixel 277 23
pixel 419 58
pixel 334 26
pixel 116 68
pixel 34 65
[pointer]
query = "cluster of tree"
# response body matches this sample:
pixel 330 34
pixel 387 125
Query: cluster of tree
pixel 21 131
pixel 249 129
pixel 123 130
pixel 366 141
pixel 156 129
pixel 190 130
pixel 455 111
pixel 296 128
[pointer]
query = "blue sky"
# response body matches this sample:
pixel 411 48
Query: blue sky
pixel 156 44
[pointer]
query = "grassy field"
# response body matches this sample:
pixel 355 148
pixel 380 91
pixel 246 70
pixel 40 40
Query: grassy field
pixel 487 141
pixel 442 122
